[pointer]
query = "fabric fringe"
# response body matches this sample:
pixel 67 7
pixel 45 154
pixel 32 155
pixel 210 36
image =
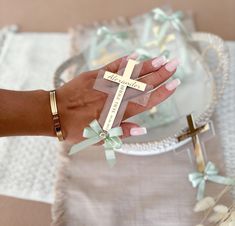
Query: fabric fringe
pixel 58 209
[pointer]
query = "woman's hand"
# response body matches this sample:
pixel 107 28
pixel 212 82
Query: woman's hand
pixel 79 104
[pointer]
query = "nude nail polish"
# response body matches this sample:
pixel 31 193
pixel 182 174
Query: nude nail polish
pixel 159 61
pixel 172 65
pixel 172 84
pixel 138 131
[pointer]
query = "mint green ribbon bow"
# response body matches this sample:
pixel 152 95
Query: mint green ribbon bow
pixel 174 19
pixel 106 35
pixel 210 174
pixel 103 37
pixel 95 134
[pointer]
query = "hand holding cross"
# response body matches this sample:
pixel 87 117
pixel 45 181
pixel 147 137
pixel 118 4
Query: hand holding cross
pixel 116 103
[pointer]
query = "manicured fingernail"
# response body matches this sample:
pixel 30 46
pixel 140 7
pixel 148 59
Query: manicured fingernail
pixel 133 56
pixel 159 61
pixel 172 65
pixel 138 131
pixel 172 84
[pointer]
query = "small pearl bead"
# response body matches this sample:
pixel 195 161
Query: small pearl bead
pixel 103 135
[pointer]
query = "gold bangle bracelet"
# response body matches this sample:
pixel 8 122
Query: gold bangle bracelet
pixel 55 116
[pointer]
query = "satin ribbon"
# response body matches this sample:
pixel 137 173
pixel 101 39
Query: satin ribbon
pixel 95 134
pixel 174 20
pixel 167 21
pixel 210 174
pixel 105 36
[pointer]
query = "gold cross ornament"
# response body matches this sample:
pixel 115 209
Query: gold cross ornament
pixel 193 132
pixel 122 87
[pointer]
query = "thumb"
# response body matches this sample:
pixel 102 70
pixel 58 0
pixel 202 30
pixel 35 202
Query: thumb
pixel 132 129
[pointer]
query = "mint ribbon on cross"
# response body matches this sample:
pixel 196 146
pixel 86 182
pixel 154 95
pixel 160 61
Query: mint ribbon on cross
pixel 211 173
pixel 95 134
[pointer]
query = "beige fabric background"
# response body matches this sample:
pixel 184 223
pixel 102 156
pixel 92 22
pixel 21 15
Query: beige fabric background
pixel 57 15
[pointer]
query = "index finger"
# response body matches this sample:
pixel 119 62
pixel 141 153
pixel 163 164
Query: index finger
pixel 148 66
